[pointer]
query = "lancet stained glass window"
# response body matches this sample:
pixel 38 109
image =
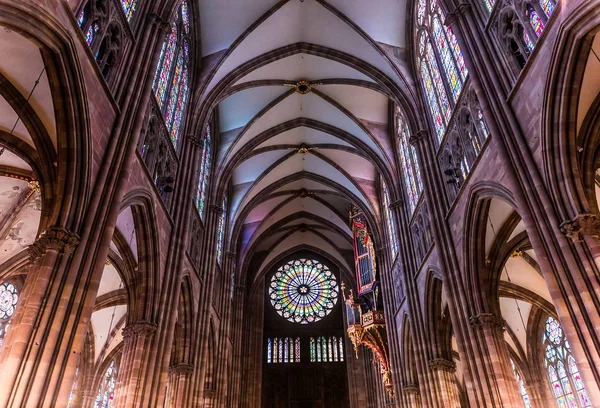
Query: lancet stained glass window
pixel 73 394
pixel 408 158
pixel 325 349
pixel 522 389
pixel 303 291
pixel 390 221
pixel 283 350
pixel 547 6
pixel 9 298
pixel 438 48
pixel 106 392
pixel 221 229
pixel 171 80
pixel 204 173
pixel 128 8
pixel 563 374
pixel 536 22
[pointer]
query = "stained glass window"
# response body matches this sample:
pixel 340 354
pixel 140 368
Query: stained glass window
pixel 547 6
pixel 73 394
pixel 128 8
pixel 390 221
pixel 326 349
pixel 489 4
pixel 204 173
pixel 536 22
pixel 171 80
pixel 283 350
pixel 106 392
pixel 303 291
pixel 565 381
pixel 91 33
pixel 528 43
pixel 438 47
pixel 408 158
pixel 221 229
pixel 9 298
pixel 524 394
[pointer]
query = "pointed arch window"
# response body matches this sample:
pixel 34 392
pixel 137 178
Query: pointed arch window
pixel 522 389
pixel 563 374
pixel 9 299
pixel 390 221
pixel 73 394
pixel 408 158
pixel 221 229
pixel 283 350
pixel 442 65
pixel 325 349
pixel 204 173
pixel 128 8
pixel 171 80
pixel 106 392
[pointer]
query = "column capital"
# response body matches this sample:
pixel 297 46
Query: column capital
pixel 195 140
pixel 140 328
pixel 396 204
pixel 581 226
pixel 56 239
pixel 416 138
pixel 462 9
pixel 411 389
pixel 216 209
pixel 489 321
pixel 441 364
pixel 181 368
pixel 230 254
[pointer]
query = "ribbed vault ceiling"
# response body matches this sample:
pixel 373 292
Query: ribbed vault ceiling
pixel 297 161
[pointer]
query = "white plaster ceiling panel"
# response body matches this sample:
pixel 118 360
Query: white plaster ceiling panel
pixel 23 227
pixel 10 159
pixel 110 280
pixel 518 229
pixel 510 342
pixel 515 319
pixel 308 163
pixel 498 214
pixel 126 227
pixel 523 274
pixel 304 238
pixel 223 21
pixel 303 22
pixel 8 118
pixel 238 109
pixel 117 339
pixel 383 20
pixel 590 86
pixel 303 135
pixel 252 168
pixel 353 164
pixel 362 102
pixel 22 64
pixel 259 212
pixel 103 322
pixel 10 191
pixel 304 66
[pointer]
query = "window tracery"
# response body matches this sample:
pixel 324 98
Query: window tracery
pixel 390 221
pixel 303 291
pixel 171 80
pixel 563 374
pixel 106 392
pixel 408 159
pixel 326 349
pixel 283 350
pixel 521 383
pixel 421 232
pixel 221 229
pixel 9 299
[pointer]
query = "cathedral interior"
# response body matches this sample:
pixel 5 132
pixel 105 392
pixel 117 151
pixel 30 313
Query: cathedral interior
pixel 299 203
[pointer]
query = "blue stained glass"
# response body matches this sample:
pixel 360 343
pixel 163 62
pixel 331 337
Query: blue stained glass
pixel 221 230
pixel 410 166
pixel 185 16
pixel 390 221
pixel 547 6
pixel 303 291
pixel 434 107
pixel 528 42
pixel 128 8
pixel 81 18
pixel 421 11
pixel 521 383
pixel 163 70
pixel 489 4
pixel 204 173
pixel 269 351
pixel 90 36
pixel 536 22
pixel 438 83
pixel 106 392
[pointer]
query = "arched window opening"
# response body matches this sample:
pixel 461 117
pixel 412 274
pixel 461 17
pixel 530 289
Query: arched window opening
pixel 326 349
pixel 521 383
pixel 390 221
pixel 221 229
pixel 9 299
pixel 171 80
pixel 73 394
pixel 204 174
pixel 128 8
pixel 563 374
pixel 283 350
pixel 106 392
pixel 408 158
pixel 438 47
pixel 535 21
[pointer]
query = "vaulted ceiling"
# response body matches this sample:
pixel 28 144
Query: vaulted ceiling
pixel 298 154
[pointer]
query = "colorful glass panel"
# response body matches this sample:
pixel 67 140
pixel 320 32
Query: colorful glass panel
pixel 523 390
pixel 565 380
pixel 457 53
pixel 128 8
pixel 303 291
pixel 390 222
pixel 536 22
pixel 185 16
pixel 269 351
pixel 204 173
pixel 106 392
pixel 443 49
pixel 434 107
pixel 528 43
pixel 163 70
pixel 421 11
pixel 92 31
pixel 489 4
pixel 548 7
pixel 9 297
pixel 81 18
pixel 410 166
pixel 73 393
pixel 438 84
pixel 221 229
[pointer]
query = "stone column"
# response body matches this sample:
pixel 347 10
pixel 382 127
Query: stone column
pixel 445 381
pixel 137 339
pixel 178 385
pixel 412 396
